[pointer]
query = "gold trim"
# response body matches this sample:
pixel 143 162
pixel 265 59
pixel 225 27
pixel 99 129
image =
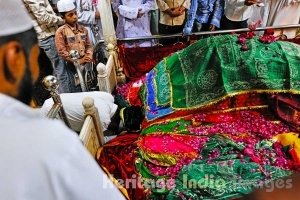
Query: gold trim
pixel 235 94
pixel 212 112
pixel 122 115
pixel 116 183
pixel 98 153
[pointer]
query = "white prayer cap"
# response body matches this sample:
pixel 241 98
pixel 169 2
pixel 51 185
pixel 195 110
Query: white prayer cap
pixel 65 6
pixel 14 17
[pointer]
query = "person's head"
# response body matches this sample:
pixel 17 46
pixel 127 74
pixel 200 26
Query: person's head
pixel 132 118
pixel 19 51
pixel 67 10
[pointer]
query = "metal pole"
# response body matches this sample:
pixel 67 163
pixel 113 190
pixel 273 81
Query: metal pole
pixel 211 32
pixel 50 83
pixel 74 54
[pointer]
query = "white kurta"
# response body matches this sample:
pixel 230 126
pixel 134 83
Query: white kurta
pixel 282 12
pixel 41 159
pixel 72 102
pixel 129 24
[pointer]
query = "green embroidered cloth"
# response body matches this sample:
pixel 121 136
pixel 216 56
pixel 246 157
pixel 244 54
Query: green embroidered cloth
pixel 225 177
pixel 215 67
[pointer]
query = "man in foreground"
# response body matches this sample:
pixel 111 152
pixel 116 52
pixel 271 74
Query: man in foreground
pixel 39 158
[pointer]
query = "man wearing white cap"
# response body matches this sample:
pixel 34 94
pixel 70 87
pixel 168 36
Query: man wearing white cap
pixel 40 159
pixel 46 23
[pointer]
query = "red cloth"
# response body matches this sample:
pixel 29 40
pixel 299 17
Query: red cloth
pixel 118 158
pixel 238 101
pixel 294 155
pixel 137 61
pixel 294 40
pixel 287 108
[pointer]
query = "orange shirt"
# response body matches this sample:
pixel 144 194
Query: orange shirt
pixel 69 38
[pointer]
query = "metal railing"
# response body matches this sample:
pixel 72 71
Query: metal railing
pixel 290 26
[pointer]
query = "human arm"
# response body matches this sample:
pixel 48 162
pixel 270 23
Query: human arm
pixel 147 6
pixel 61 45
pixel 217 14
pixel 164 7
pixel 78 175
pixel 183 6
pixel 187 30
pixel 88 57
pixel 38 8
pixel 124 11
pixel 115 6
pixel 135 12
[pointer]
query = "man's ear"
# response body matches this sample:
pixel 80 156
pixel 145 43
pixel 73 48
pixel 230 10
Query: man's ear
pixel 33 62
pixel 12 67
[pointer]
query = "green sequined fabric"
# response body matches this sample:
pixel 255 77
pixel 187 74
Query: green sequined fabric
pixel 225 177
pixel 215 67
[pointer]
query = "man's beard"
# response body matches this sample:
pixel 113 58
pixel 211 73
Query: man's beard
pixel 26 88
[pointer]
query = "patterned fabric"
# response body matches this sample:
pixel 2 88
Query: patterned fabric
pixel 118 158
pixel 215 68
pixel 207 109
pixel 203 11
pixel 68 38
pixel 44 18
pixel 225 177
pixel 163 5
pixel 229 138
pixel 177 148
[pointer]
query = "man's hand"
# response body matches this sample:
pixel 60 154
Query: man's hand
pixel 178 11
pixel 175 12
pixel 169 12
pixel 140 13
pixel 252 2
pixel 97 15
pixel 212 27
pixel 84 60
pixel 187 31
pixel 182 9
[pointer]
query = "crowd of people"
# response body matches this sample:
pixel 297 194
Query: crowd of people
pixel 188 16
pixel 82 28
pixel 63 26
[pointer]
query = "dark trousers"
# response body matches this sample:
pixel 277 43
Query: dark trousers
pixel 227 24
pixel 169 30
